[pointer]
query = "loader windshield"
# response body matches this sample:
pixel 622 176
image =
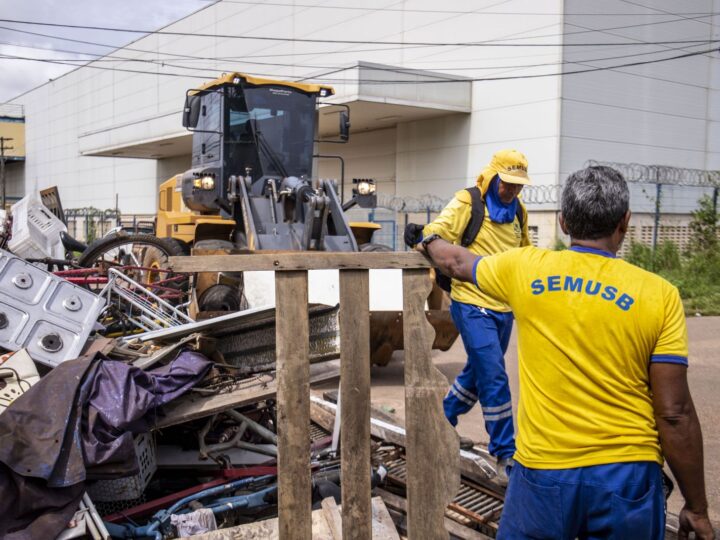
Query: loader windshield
pixel 273 127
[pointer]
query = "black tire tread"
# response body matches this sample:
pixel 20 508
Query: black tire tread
pixel 101 245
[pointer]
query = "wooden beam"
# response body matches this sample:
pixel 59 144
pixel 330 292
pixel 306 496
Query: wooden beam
pixel 292 344
pixel 432 445
pixel 293 260
pixel 332 516
pixel 193 406
pixel 355 399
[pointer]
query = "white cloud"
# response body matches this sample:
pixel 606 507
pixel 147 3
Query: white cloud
pixel 22 75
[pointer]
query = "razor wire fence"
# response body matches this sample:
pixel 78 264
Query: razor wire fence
pixel 87 224
pixel 662 198
pixel 671 192
pixel 662 213
pixel 394 212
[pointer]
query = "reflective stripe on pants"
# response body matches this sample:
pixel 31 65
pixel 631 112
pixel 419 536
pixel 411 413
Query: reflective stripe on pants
pixel 485 334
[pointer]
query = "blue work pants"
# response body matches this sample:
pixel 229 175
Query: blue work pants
pixel 618 500
pixel 485 334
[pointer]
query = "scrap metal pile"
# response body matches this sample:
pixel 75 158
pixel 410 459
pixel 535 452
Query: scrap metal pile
pixel 125 412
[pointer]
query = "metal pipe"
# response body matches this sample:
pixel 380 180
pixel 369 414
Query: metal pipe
pixel 658 194
pixel 273 200
pixel 342 172
pixel 264 432
pixel 97 520
pixel 336 425
pixel 152 528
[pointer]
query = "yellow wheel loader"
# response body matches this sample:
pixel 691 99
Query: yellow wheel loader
pixel 251 188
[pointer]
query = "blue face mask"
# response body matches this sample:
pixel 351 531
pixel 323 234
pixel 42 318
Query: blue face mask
pixel 499 211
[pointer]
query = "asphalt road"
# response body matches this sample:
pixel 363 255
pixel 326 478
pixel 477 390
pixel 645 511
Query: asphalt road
pixel 704 377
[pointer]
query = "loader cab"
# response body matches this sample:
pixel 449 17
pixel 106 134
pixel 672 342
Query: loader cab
pixel 245 126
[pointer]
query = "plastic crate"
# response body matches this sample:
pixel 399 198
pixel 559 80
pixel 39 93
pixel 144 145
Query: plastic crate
pixel 132 487
pixel 35 230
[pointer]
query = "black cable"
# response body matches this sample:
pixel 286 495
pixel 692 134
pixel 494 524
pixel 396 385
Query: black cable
pixel 640 41
pixel 360 42
pixel 665 12
pixel 165 63
pixel 436 81
pixel 188 56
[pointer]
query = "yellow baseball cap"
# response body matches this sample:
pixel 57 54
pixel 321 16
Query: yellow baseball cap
pixel 511 166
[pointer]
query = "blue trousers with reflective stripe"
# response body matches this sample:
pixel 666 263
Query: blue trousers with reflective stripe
pixel 485 334
pixel 618 500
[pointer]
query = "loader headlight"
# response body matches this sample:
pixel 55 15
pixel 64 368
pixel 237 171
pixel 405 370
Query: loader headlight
pixel 205 182
pixel 366 187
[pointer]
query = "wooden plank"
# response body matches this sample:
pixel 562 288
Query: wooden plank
pixel 293 260
pixel 332 516
pixel 383 527
pixel 193 406
pixel 292 347
pixel 355 399
pixel 432 445
pixel 268 528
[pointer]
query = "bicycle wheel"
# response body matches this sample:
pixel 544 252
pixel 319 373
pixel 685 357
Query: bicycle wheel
pixel 141 257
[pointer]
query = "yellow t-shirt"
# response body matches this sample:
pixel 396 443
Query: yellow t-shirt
pixel 588 327
pixel 491 239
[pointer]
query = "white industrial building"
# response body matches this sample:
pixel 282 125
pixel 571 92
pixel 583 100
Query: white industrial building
pixel 425 117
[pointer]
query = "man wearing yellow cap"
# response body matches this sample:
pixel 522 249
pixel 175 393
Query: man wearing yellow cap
pixel 484 323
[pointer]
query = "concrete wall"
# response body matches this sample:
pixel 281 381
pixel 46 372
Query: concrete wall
pixel 370 154
pixel 665 113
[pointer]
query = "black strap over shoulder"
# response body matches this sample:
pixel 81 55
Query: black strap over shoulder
pixel 519 214
pixel 477 215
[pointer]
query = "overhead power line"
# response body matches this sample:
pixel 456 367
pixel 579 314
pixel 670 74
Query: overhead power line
pixel 393 82
pixel 362 42
pixel 168 62
pixel 189 56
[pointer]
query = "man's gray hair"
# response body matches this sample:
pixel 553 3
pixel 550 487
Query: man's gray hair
pixel 594 201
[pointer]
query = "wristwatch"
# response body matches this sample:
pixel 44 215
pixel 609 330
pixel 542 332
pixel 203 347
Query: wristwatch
pixel 428 239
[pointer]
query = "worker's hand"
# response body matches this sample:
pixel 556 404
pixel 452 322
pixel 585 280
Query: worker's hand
pixel 413 234
pixel 697 522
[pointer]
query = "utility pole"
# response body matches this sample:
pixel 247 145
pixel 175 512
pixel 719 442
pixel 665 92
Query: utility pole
pixel 3 140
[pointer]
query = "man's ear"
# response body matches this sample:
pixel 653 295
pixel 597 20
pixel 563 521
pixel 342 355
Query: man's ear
pixel 561 219
pixel 624 222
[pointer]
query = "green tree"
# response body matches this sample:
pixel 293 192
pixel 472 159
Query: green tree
pixel 703 227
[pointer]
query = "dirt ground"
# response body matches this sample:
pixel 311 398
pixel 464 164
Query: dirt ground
pixel 704 375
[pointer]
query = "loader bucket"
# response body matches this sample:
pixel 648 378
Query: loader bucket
pixel 386 333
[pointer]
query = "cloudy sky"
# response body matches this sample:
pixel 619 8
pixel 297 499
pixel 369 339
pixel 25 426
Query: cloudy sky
pixel 16 40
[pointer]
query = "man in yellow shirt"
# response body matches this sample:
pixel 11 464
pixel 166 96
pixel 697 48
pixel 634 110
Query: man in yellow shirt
pixel 603 384
pixel 484 322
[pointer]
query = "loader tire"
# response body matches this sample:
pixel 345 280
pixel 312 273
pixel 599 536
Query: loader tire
pixel 375 247
pixel 222 297
pixel 214 244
